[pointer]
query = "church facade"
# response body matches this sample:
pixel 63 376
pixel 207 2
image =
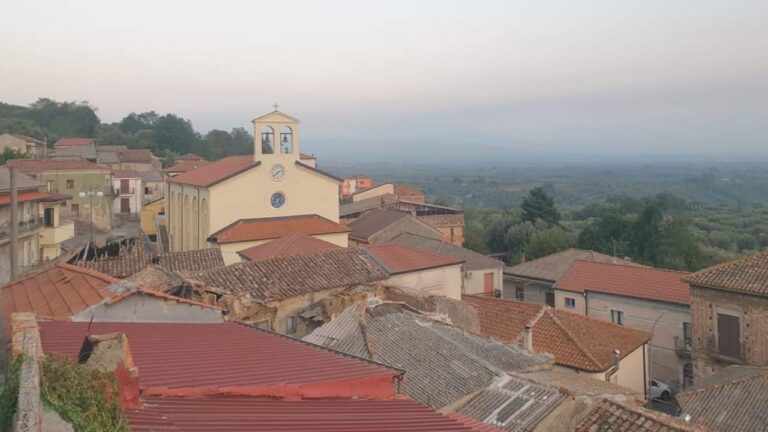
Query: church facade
pixel 276 181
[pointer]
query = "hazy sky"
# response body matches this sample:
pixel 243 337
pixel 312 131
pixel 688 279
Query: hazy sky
pixel 573 76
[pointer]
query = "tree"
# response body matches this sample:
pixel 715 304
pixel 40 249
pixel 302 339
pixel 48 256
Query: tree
pixel 174 133
pixel 64 119
pixel 133 122
pixel 112 135
pixel 11 153
pixel 474 236
pixel 546 242
pixel 537 205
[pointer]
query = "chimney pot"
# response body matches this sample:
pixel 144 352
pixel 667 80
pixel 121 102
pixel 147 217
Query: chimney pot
pixel 528 338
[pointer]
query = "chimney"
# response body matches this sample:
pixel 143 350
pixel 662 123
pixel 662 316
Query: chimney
pixel 111 353
pixel 528 338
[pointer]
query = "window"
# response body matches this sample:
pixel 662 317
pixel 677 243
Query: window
pixel 617 317
pixel 519 293
pixel 50 186
pixel 729 334
pixel 570 302
pixel 48 216
pixel 687 336
pixel 147 191
pixel 290 325
pixel 70 184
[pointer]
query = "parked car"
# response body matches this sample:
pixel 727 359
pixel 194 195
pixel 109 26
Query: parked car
pixel 659 390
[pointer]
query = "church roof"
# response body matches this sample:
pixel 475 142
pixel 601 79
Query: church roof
pixel 216 172
pixel 278 113
pixel 271 228
pixel 322 173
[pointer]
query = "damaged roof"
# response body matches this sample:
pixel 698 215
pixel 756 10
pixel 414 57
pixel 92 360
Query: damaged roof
pixel 135 261
pixel 442 363
pixel 612 416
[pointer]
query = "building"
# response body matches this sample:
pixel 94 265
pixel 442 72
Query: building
pixel 139 159
pixel 86 151
pixel 153 184
pixel 152 217
pixel 67 292
pixel 29 198
pixel 734 399
pixel 591 347
pixel 73 142
pixel 181 166
pixel 289 245
pixel 22 143
pixel 418 270
pixel 128 192
pixel 643 298
pixel 273 182
pixel 449 221
pixel 623 417
pixel 241 378
pixel 481 274
pixel 245 233
pixel 354 184
pixel 89 184
pixel 128 264
pixel 380 225
pixel 56 228
pixel 729 306
pixel 533 281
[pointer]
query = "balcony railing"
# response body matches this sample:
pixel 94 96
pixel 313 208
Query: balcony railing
pixel 128 191
pixel 25 225
pixel 683 347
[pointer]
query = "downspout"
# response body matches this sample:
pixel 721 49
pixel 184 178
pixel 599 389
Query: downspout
pixel 615 368
pixel 645 374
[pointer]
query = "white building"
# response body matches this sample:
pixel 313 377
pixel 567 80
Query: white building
pixel 128 192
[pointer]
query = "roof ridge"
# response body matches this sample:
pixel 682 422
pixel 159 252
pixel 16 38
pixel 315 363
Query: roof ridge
pixel 721 265
pixel 742 380
pixel 573 337
pixel 91 272
pixel 435 254
pixel 622 264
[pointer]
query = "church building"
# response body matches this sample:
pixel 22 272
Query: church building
pixel 276 186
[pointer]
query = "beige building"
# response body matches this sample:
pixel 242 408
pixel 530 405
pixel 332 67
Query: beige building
pixel 274 182
pixel 643 298
pixel 21 143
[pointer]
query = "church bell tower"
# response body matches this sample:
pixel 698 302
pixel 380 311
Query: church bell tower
pixel 276 137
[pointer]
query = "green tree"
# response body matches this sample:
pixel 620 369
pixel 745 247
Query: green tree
pixel 174 133
pixel 133 122
pixel 537 205
pixel 10 153
pixel 546 242
pixel 474 236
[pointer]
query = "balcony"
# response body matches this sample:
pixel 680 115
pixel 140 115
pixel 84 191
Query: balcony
pixel 25 226
pixel 51 235
pixel 683 347
pixel 125 191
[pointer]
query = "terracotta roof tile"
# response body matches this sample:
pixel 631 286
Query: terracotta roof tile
pixel 272 228
pixel 24 196
pixel 374 221
pixel 405 190
pixel 398 258
pixel 575 340
pixel 183 166
pixel 748 275
pixel 189 156
pixel 552 267
pixel 56 292
pixel 39 165
pixel 472 259
pixel 211 173
pixel 283 277
pixel 29 139
pixel 69 142
pixel 622 280
pixel 612 416
pixel 293 244
pixel 136 156
pixel 126 265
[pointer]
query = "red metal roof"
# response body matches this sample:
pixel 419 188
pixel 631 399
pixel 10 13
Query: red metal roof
pixel 272 228
pixel 57 292
pixel 29 196
pixel 227 358
pixel 237 413
pixel 640 282
pixel 215 172
pixel 71 142
pixel 397 258
pixel 290 245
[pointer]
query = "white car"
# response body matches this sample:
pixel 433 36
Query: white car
pixel 659 390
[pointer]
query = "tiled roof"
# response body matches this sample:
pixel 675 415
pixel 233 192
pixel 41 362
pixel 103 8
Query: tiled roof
pixel 136 156
pixel 579 384
pixel 28 139
pixel 112 148
pixel 56 292
pixel 189 156
pixel 472 259
pixel 128 264
pixel 68 142
pixel 611 416
pixel 443 363
pixel 283 277
pixel 747 275
pixel 576 341
pixel 183 166
pixel 125 174
pixel 82 151
pixel 123 290
pixel 23 181
pixel 552 267
pixel 293 244
pixel 374 221
pixel 190 359
pixel 629 281
pixel 275 227
pixel 215 172
pixel 237 413
pixel 150 176
pixel 365 205
pixel 25 196
pixel 404 189
pixel 39 165
pixel 398 258
pixel 738 405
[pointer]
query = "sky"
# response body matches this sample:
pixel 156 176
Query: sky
pixel 396 79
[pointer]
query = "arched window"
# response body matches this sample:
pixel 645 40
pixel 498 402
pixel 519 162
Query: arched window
pixel 267 140
pixel 286 140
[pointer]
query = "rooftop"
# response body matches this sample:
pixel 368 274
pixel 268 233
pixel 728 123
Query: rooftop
pixel 275 227
pixel 40 165
pixel 28 139
pixel 738 405
pixel 472 260
pixel 576 341
pixel 612 416
pixel 374 221
pixel 289 245
pixel 406 190
pixel 189 156
pixel 23 181
pixel 283 277
pixel 183 166
pixel 135 156
pixel 87 151
pixel 67 142
pixel 125 265
pixel 125 174
pixel 746 275
pixel 398 258
pixel 150 176
pixel 437 357
pixel 212 173
pixel 112 148
pixel 629 281
pixel 552 267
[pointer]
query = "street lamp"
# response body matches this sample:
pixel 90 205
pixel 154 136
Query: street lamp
pixel 91 191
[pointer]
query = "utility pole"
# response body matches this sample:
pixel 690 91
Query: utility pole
pixel 14 225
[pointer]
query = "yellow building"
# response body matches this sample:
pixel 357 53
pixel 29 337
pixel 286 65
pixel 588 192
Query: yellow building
pixel 148 218
pixel 276 181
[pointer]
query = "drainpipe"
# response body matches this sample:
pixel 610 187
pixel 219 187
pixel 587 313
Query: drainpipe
pixel 528 338
pixel 615 368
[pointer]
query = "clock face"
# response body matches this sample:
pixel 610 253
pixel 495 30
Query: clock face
pixel 277 172
pixel 277 200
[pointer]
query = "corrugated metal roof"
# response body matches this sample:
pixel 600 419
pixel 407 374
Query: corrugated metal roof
pixel 232 414
pixel 211 358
